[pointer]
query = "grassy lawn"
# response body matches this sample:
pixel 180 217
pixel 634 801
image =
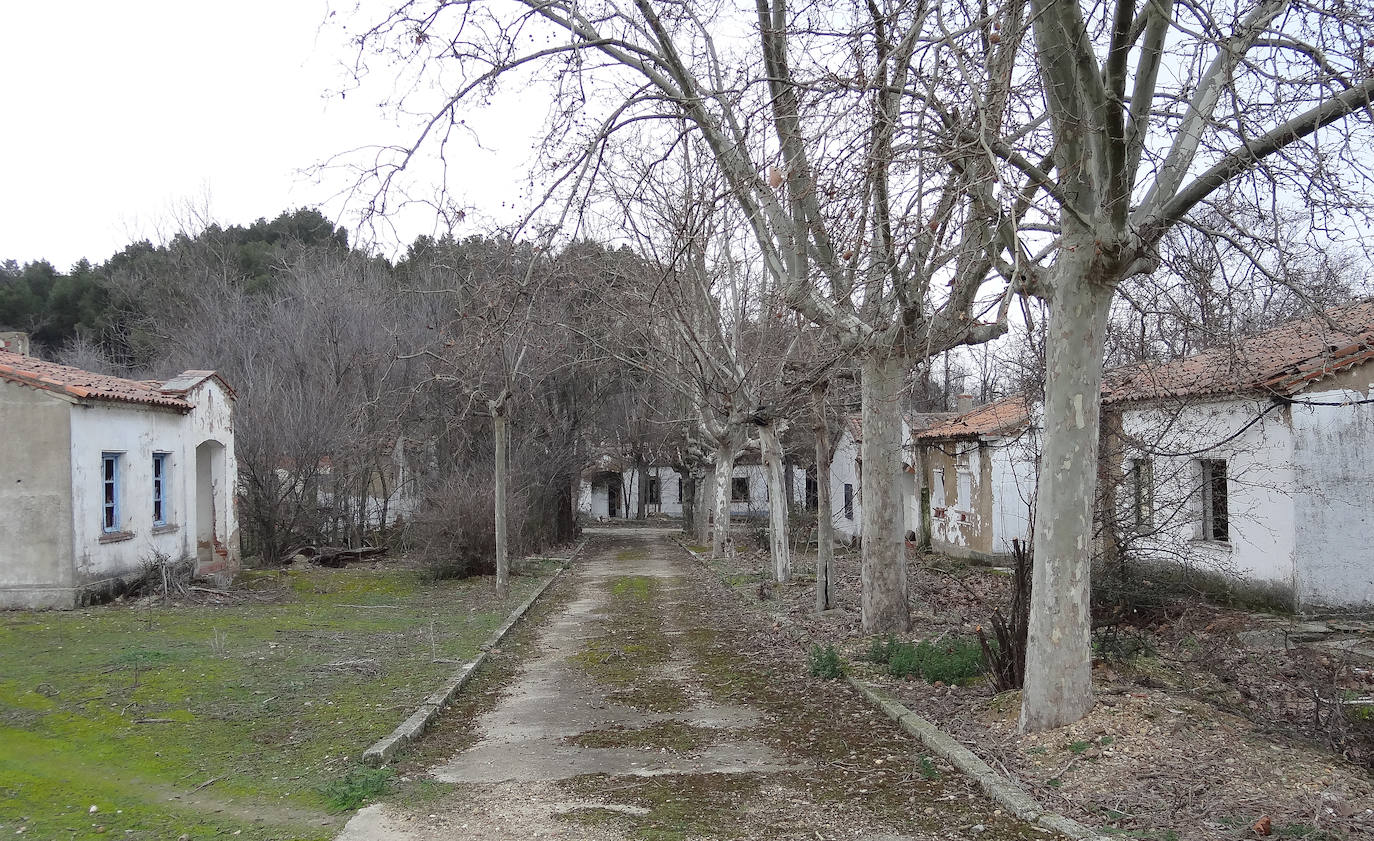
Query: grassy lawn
pixel 244 720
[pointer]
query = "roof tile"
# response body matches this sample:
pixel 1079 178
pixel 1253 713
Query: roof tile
pixel 83 385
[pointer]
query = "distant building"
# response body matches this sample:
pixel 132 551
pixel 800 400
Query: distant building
pixel 99 476
pixel 978 475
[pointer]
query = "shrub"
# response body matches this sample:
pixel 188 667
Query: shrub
pixel 824 662
pixel 950 660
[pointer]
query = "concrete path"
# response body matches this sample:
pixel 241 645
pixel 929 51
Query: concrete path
pixel 651 709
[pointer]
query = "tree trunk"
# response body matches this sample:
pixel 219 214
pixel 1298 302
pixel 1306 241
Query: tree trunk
pixel 725 471
pixel 641 487
pixel 499 424
pixel 1058 687
pixel 771 448
pixel 825 526
pixel 884 549
pixel 688 500
pixel 705 503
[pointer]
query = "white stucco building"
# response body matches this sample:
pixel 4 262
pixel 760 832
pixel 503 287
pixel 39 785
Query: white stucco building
pixel 608 492
pixel 1255 460
pixel 978 473
pixel 101 475
pixel 846 475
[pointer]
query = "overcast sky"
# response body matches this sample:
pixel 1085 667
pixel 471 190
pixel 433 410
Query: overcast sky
pixel 121 116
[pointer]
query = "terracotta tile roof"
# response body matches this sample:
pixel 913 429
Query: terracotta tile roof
pixel 1283 360
pixel 999 417
pixel 83 385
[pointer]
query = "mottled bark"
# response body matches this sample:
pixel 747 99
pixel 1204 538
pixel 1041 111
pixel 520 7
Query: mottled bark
pixel 771 448
pixel 720 525
pixel 884 549
pixel 1058 687
pixel 706 495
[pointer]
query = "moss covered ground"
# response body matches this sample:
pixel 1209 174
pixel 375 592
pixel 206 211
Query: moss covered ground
pixel 243 719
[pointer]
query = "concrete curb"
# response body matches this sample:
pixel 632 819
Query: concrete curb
pixel 413 727
pixel 1006 793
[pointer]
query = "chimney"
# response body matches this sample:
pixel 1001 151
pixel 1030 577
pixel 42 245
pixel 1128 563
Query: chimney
pixel 965 404
pixel 15 343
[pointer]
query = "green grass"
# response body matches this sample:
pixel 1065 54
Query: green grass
pixel 950 660
pixel 206 720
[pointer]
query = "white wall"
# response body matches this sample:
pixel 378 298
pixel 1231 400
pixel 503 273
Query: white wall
pixel 592 496
pixel 844 469
pixel 1334 502
pixel 136 432
pixel 1260 481
pixel 1013 491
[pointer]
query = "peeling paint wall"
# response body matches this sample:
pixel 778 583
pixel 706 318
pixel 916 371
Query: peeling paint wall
pixel 35 499
pixel 1260 486
pixel 1334 498
pixel 135 433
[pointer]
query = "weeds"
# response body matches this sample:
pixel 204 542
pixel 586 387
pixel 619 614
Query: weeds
pixel 824 662
pixel 951 660
pixel 355 788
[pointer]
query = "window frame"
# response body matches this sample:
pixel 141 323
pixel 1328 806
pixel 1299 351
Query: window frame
pixel 111 515
pixel 161 460
pixel 1215 529
pixel 736 483
pixel 1142 495
pixel 653 491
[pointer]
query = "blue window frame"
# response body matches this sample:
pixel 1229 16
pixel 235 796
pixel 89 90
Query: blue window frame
pixel 109 474
pixel 160 488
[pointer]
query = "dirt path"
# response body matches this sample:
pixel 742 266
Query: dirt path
pixel 651 709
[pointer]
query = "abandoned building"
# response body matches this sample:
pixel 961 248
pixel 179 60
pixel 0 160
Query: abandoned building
pixel 1252 460
pixel 610 489
pixel 101 476
pixel 977 482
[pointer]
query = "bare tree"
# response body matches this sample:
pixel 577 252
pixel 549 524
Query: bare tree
pixel 1154 111
pixel 869 192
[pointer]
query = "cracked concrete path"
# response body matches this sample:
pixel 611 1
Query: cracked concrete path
pixel 651 709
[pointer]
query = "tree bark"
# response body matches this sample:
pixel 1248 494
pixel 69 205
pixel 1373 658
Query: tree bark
pixel 884 549
pixel 825 526
pixel 1058 688
pixel 705 504
pixel 725 471
pixel 688 501
pixel 499 428
pixel 771 448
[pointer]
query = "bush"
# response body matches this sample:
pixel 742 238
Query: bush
pixel 824 663
pixel 951 660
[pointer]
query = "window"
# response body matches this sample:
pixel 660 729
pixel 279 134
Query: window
pixel 109 478
pixel 653 495
pixel 739 489
pixel 1142 495
pixel 848 501
pixel 937 495
pixel 160 461
pixel 1216 520
pixel 964 501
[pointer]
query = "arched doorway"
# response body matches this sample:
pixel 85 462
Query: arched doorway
pixel 211 497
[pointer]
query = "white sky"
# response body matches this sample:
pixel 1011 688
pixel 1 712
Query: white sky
pixel 121 116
